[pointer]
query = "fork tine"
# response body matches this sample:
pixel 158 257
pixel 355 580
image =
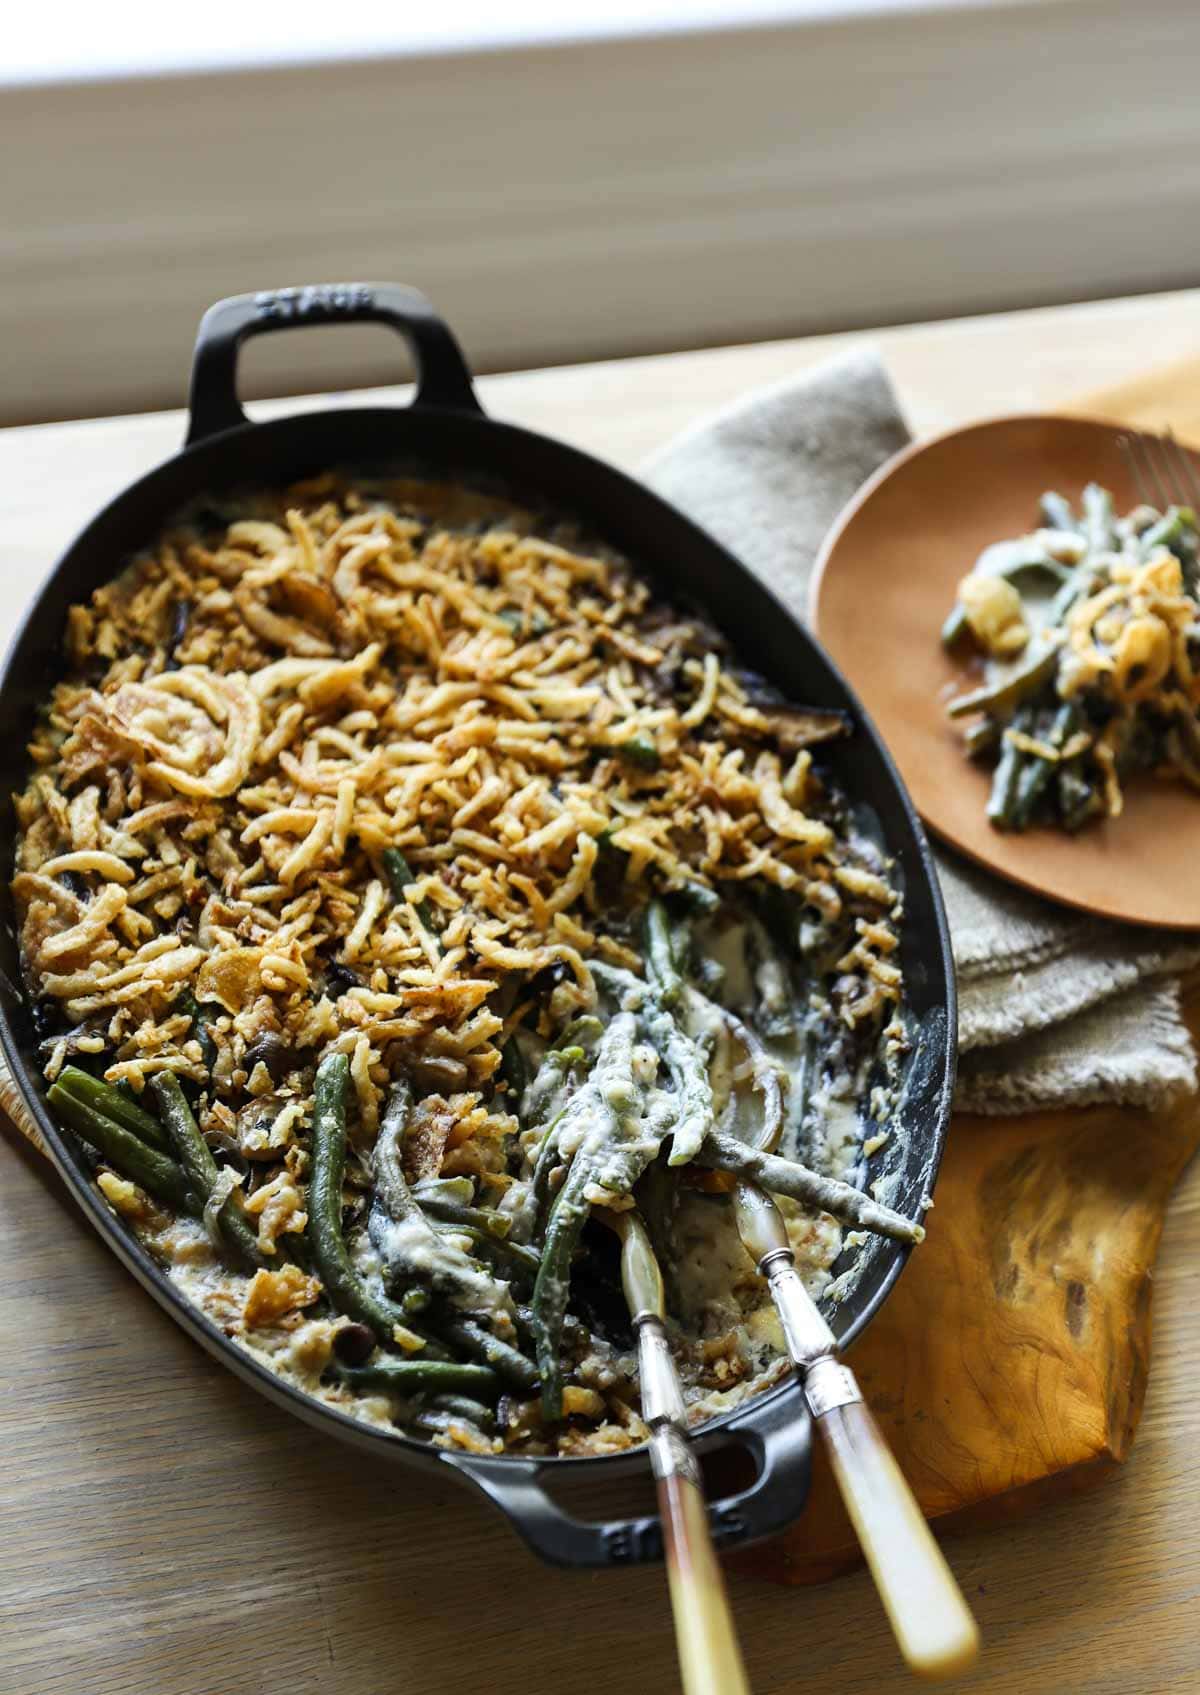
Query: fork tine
pixel 1151 490
pixel 1156 458
pixel 1163 471
pixel 1186 476
pixel 1129 451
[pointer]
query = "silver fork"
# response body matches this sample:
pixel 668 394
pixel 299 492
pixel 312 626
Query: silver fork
pixel 1162 471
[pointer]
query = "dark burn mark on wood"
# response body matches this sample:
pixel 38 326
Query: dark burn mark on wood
pixel 1076 1307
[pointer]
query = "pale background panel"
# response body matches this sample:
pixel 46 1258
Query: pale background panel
pixel 587 198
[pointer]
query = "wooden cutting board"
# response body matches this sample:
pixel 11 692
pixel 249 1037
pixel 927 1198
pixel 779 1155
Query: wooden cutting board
pixel 1008 1367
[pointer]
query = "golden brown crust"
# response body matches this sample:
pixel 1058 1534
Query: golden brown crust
pixel 257 712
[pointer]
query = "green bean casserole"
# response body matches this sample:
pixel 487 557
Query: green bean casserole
pixel 1091 625
pixel 400 880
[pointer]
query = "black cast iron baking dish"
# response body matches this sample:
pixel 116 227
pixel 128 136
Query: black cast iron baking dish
pixel 445 432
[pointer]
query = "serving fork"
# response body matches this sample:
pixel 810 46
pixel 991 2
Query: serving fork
pixel 1163 472
pixel 710 1660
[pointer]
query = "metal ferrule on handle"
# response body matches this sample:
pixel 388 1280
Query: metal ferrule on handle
pixel 671 1455
pixel 662 1398
pixel 808 1336
pixel 710 1661
pixel 933 1625
pixel 810 1341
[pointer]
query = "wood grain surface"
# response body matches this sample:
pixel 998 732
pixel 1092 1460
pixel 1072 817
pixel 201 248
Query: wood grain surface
pixel 1009 1366
pixel 163 1531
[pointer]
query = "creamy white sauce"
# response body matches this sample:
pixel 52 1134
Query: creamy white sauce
pixel 411 1242
pixel 714 1283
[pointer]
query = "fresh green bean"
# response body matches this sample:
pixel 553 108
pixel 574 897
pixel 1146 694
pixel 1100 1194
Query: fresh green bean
pixel 391 1185
pixel 657 1198
pixel 188 1003
pixel 190 1149
pixel 413 1377
pixel 661 963
pixel 640 751
pixel 474 1338
pixel 483 1219
pixel 955 626
pixel 543 1097
pixel 1169 529
pixel 458 1406
pixel 402 1236
pixel 697 898
pixel 1037 771
pixel 400 876
pixel 1099 526
pixel 574 1330
pixel 514 1071
pixel 582 1032
pixel 1056 512
pixel 199 1166
pixel 1083 581
pixel 153 1171
pixel 598 1109
pixel 204 1040
pixel 689 1073
pixel 780 911
pixel 1176 531
pixel 982 737
pixel 550 1293
pixel 1078 800
pixel 458 1189
pixel 999 699
pixel 786 1177
pixel 1006 778
pixel 543 1168
pixel 343 1284
pixel 776 1012
pixel 511 1257
pixel 106 1099
pixel 802 1080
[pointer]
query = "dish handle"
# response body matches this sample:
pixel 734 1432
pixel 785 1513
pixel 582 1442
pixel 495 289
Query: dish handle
pixel 443 379
pixel 778 1441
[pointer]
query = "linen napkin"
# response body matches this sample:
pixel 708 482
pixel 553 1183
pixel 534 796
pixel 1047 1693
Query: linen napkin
pixel 1055 1008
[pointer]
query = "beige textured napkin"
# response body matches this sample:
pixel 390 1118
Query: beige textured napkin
pixel 1056 1009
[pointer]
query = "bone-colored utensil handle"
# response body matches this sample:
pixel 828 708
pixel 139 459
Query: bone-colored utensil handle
pixel 933 1624
pixel 710 1660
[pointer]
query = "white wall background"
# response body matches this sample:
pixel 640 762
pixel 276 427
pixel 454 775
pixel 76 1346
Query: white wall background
pixel 676 184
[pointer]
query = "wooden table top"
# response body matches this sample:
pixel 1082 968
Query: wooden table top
pixel 164 1531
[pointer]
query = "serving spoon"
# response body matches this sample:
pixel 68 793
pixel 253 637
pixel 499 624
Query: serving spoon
pixel 710 1660
pixel 933 1625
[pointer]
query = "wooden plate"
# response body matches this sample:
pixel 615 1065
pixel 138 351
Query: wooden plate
pixel 884 582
